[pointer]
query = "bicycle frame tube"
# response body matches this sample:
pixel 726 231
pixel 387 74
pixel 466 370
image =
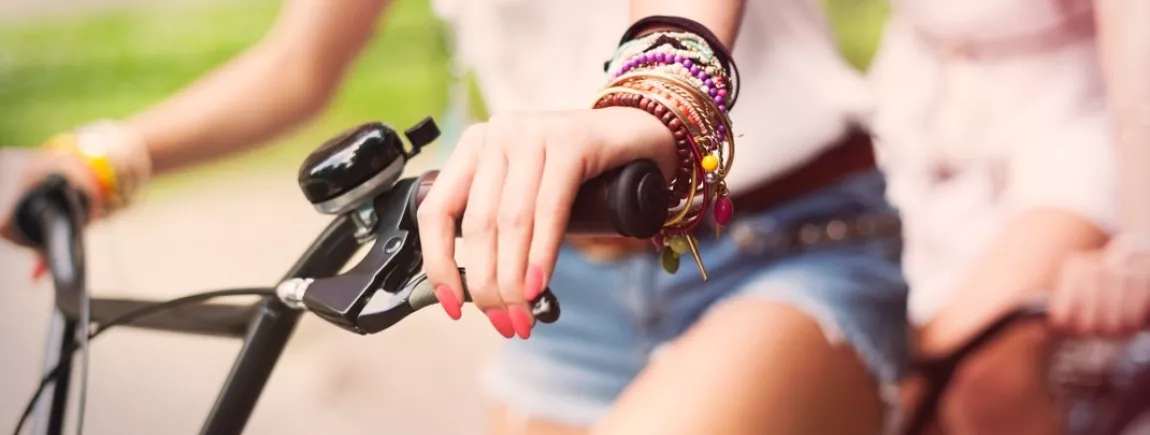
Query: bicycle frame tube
pixel 61 226
pixel 270 330
pixel 50 420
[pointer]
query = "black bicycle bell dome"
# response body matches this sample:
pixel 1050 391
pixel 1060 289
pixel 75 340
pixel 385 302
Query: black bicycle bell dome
pixel 353 168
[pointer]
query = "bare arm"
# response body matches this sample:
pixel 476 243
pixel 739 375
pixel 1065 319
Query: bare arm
pixel 1021 263
pixel 1124 45
pixel 722 17
pixel 1029 256
pixel 279 83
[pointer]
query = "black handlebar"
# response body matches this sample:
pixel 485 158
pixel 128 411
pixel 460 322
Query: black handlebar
pixel 630 201
pixel 352 176
pixel 357 168
pixel 384 288
pixel 357 173
pixel 51 217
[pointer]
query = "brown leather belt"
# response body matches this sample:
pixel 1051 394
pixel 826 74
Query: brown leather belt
pixel 853 154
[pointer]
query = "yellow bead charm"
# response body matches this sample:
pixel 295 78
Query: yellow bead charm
pixel 710 163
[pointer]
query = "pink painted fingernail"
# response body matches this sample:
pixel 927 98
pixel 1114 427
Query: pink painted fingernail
pixel 448 301
pixel 521 321
pixel 501 322
pixel 533 282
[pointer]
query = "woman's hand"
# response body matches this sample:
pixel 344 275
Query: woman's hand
pixel 1104 292
pixel 517 176
pixel 23 169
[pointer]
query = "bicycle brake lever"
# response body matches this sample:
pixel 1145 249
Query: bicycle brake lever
pixel 386 309
pixel 385 286
pixel 390 263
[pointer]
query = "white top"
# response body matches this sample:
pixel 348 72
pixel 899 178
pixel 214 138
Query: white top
pixel 989 20
pixel 797 93
pixel 969 142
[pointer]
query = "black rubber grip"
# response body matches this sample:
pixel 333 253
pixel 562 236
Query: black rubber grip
pixel 52 196
pixel 630 200
pixel 50 218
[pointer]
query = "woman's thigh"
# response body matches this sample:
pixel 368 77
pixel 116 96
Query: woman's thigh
pixel 810 345
pixel 809 337
pixel 839 309
pixel 751 367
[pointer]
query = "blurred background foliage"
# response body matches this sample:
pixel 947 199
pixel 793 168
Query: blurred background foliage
pixel 60 71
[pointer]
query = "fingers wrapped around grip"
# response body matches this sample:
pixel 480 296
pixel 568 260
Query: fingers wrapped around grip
pixel 516 186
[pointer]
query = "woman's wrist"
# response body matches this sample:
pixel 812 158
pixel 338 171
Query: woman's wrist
pixel 115 155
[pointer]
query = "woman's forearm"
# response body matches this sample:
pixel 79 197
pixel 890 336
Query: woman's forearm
pixel 722 17
pixel 1124 45
pixel 1022 262
pixel 274 86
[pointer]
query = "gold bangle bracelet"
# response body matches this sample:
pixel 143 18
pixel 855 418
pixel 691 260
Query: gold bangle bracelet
pixel 707 111
pixel 718 188
pixel 724 149
pixel 640 86
pixel 711 107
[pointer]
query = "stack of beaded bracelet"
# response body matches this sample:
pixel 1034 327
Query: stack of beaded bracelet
pixel 685 55
pixel 676 77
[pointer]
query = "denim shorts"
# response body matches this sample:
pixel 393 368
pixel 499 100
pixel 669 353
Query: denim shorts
pixel 615 315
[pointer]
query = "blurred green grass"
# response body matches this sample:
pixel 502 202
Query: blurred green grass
pixel 857 25
pixel 56 73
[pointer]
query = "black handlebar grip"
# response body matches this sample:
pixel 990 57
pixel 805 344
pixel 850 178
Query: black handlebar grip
pixel 53 192
pixel 630 200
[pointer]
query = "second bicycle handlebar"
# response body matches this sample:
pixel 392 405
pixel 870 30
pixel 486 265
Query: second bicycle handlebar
pixel 358 172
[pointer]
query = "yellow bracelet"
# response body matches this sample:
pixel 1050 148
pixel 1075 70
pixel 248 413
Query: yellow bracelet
pixel 116 156
pixel 103 171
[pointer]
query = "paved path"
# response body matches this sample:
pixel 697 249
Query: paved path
pixel 419 377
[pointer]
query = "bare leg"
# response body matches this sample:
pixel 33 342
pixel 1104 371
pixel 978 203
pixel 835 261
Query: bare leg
pixel 507 422
pixel 1002 389
pixel 751 367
